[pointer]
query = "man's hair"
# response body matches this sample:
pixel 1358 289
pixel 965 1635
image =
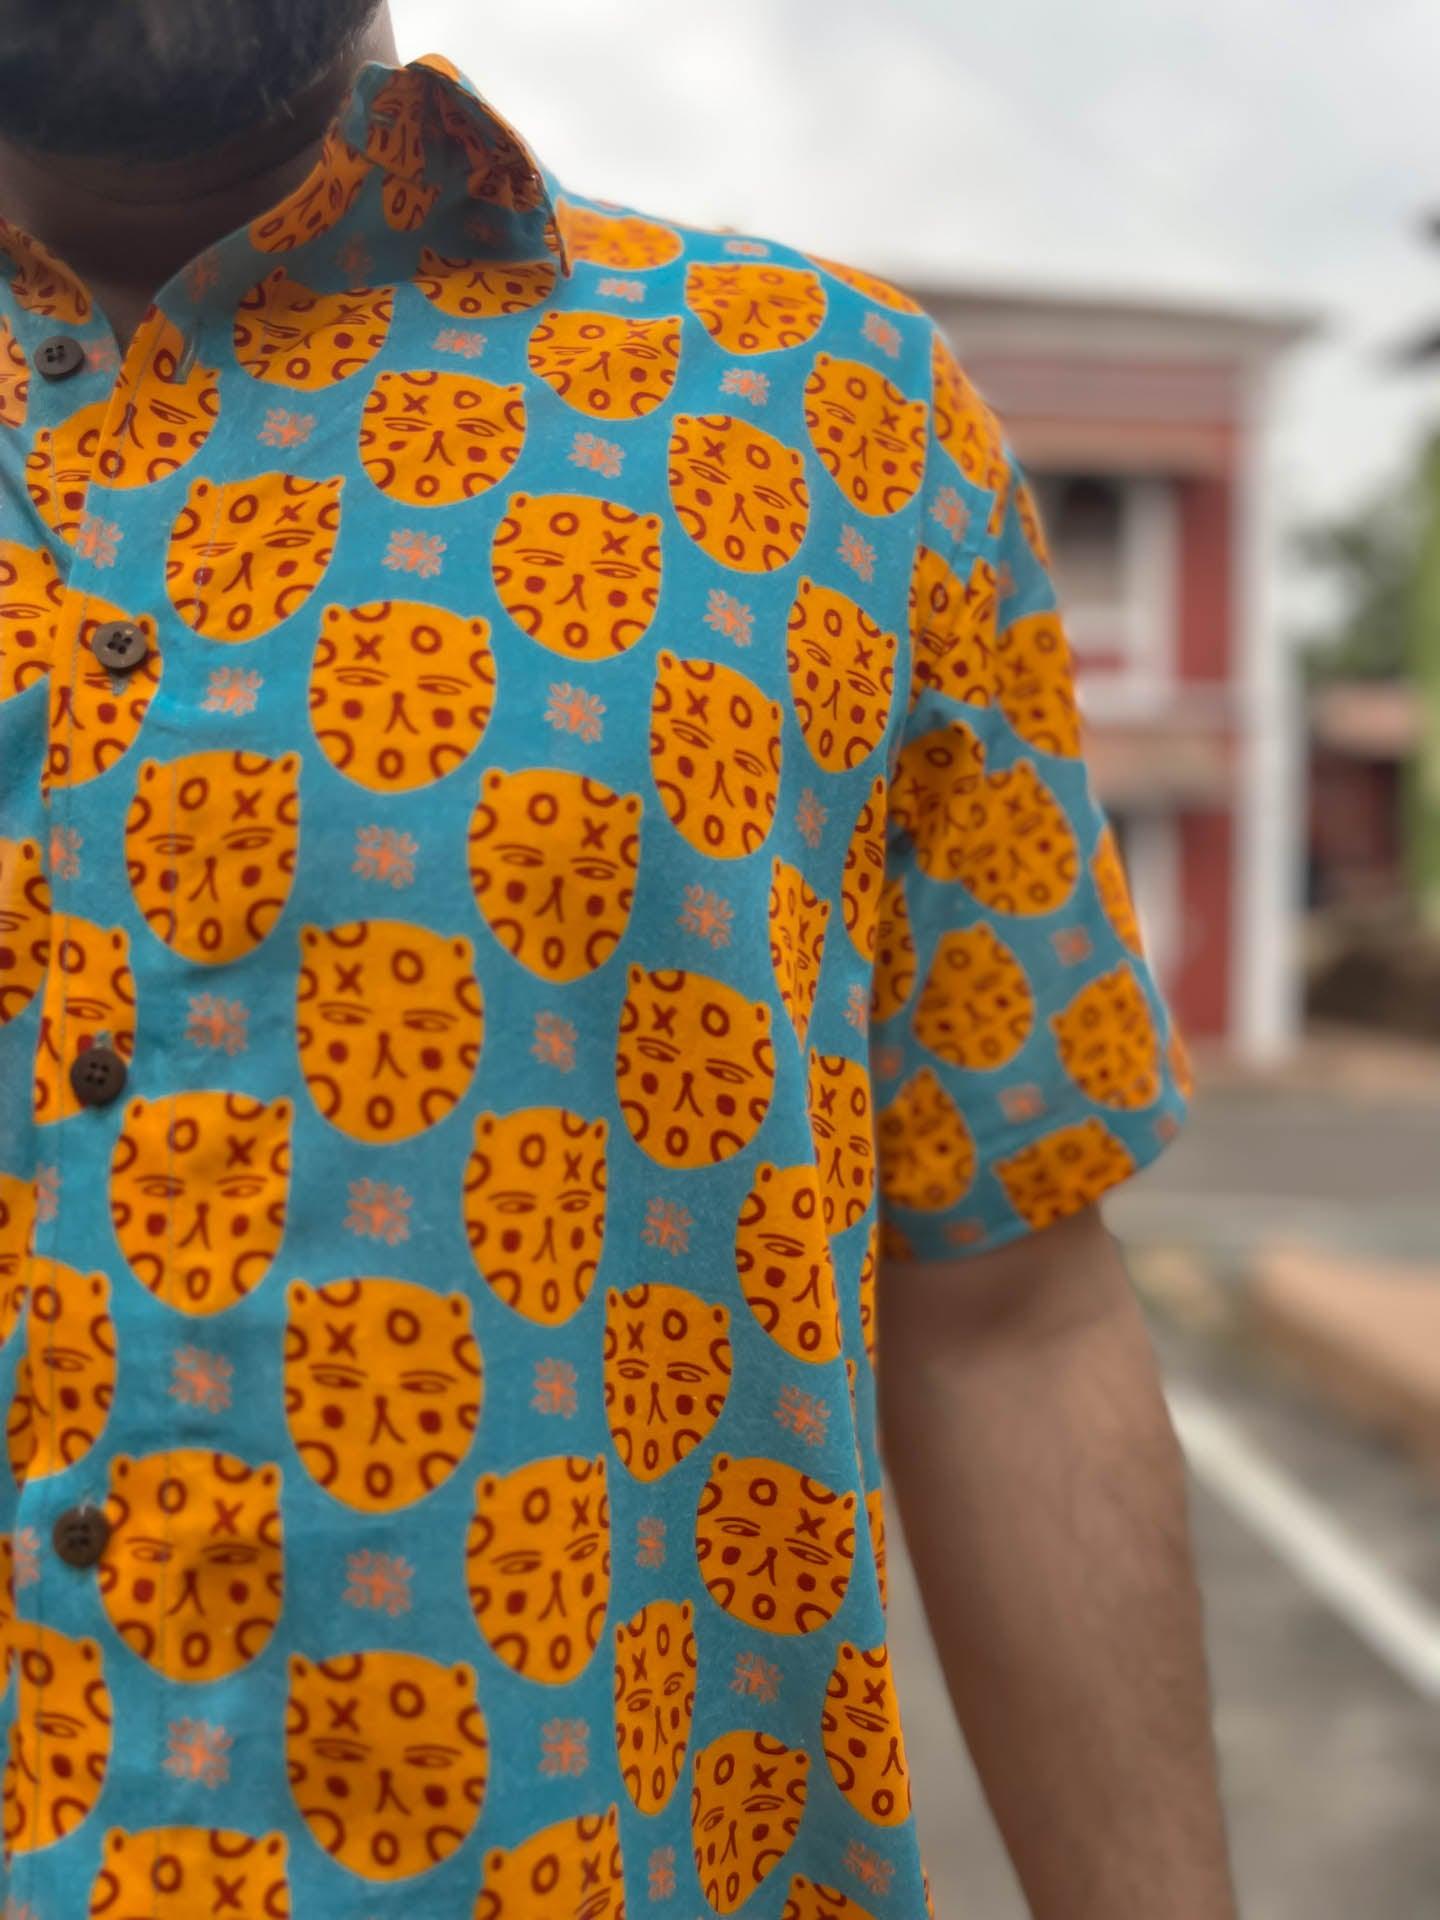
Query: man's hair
pixel 161 79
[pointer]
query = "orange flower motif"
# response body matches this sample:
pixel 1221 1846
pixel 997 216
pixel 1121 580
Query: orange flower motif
pixel 554 1042
pixel 380 1580
pixel 216 1023
pixel 667 1226
pixel 410 552
pixel 564 1746
pixel 805 1414
pixel 554 1388
pixel 661 1869
pixel 383 853
pixel 201 1379
pixel 198 1751
pixel 707 915
pixel 757 1677
pixel 650 1541
pixel 378 1212
pixel 232 690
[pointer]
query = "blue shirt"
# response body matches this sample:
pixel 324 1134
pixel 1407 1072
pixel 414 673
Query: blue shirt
pixel 543 831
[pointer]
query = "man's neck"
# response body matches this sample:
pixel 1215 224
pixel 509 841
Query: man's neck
pixel 125 227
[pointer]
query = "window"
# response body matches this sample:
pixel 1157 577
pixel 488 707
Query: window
pixel 1084 519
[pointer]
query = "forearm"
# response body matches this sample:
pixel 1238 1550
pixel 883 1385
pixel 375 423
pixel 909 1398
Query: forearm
pixel 1042 1496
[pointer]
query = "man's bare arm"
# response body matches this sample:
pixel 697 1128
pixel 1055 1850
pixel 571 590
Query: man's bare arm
pixel 1041 1491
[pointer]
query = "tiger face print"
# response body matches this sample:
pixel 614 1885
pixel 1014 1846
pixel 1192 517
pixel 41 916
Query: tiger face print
pixel 581 576
pixel 668 1362
pixel 740 494
pixel 210 845
pixel 977 1007
pixel 870 438
pixel 534 1208
pixel 1018 853
pixel 797 941
pixel 17 1228
pixel 382 1388
pixel 573 1867
pixel 65 1381
pixel 40 281
pixel 745 1810
pixel 89 996
pixel 809 1900
pixel 841 1127
pixel 537 1565
pixel 24 926
pixel 60 1737
pixel 291 335
pixel 870 286
pixel 192 1574
pixel 7 1608
pixel 715 755
pixel 875 1513
pixel 624 242
pixel 199 1186
pixel 31 596
pixel 390 1026
pixel 431 439
pixel 694 1067
pixel 59 466
pixel 775 1548
pixel 783 1261
pixel 755 309
pixel 1037 684
pixel 553 860
pixel 483 289
pixel 864 875
pixel 861 1731
pixel 953 630
pixel 401 692
pixel 969 431
pixel 14 379
pixel 607 365
pixel 927 1151
pixel 169 409
pixel 320 202
pixel 894 977
pixel 175 1873
pixel 1108 1042
pixel 842 675
pixel 654 1700
pixel 388 1758
pixel 1112 883
pixel 246 554
pixel 94 714
pixel 1064 1170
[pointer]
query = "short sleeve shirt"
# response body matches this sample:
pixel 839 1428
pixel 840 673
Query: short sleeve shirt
pixel 543 830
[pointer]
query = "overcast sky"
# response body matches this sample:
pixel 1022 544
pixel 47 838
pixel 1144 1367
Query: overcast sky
pixel 1278 152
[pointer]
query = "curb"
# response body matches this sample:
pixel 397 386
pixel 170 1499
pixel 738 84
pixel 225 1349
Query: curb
pixel 1363 1334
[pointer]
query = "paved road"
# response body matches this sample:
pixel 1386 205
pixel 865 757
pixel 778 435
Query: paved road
pixel 1355 1174
pixel 1331 1760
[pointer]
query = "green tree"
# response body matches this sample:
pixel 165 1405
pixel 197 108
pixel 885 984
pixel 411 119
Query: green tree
pixel 1423 786
pixel 1370 561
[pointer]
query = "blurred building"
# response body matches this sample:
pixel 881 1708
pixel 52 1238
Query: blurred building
pixel 1144 428
pixel 1363 735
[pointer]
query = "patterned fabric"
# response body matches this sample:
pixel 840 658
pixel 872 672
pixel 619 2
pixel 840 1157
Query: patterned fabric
pixel 598 846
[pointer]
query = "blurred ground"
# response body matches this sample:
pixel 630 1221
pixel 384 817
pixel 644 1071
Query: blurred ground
pixel 1330 1747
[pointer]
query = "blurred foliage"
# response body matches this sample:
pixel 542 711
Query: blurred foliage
pixel 1370 561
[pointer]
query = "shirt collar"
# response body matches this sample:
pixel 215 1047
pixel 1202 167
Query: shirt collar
pixel 427 126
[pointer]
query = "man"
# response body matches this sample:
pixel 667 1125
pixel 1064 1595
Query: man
pixel 543 844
